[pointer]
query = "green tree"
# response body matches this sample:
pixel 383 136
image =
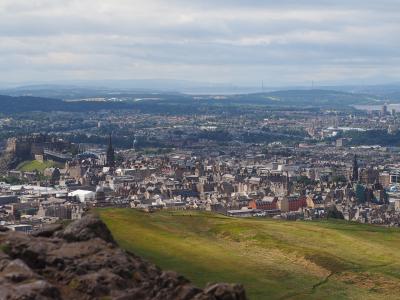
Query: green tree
pixel 360 193
pixel 333 213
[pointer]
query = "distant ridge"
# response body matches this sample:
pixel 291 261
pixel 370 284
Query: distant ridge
pixel 159 102
pixel 29 104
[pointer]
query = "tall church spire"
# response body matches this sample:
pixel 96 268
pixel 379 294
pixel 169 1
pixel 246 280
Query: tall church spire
pixel 354 177
pixel 110 154
pixel 287 184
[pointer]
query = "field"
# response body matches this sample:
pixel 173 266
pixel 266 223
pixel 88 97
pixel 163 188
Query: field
pixel 32 165
pixel 272 259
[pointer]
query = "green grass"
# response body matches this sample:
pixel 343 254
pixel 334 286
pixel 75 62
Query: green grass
pixel 33 165
pixel 272 259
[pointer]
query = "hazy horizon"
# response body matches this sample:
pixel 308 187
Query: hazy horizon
pixel 176 83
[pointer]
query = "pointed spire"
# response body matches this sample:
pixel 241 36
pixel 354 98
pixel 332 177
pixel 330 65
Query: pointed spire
pixel 110 154
pixel 287 183
pixel 355 169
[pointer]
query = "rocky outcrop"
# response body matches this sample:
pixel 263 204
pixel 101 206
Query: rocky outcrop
pixel 82 261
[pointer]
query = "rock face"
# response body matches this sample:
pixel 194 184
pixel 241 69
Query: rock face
pixel 82 261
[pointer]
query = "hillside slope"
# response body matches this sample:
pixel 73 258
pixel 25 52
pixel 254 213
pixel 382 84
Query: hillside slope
pixel 273 259
pixel 82 261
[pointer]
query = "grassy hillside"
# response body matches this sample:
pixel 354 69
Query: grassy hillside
pixel 273 259
pixel 32 165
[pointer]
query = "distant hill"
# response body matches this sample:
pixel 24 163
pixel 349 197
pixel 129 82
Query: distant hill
pixel 272 259
pixel 72 87
pixel 307 97
pixel 80 88
pixel 10 104
pixel 179 103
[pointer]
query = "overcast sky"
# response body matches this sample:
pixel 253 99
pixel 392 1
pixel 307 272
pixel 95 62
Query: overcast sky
pixel 283 42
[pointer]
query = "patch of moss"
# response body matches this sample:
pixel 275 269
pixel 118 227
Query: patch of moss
pixel 5 248
pixel 74 284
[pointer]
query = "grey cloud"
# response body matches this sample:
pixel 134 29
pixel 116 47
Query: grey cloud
pixel 198 40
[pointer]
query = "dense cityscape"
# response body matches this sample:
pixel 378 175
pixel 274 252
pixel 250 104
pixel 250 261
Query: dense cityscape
pixel 255 162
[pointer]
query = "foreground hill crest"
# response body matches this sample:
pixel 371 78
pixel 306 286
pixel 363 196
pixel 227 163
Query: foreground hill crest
pixel 82 261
